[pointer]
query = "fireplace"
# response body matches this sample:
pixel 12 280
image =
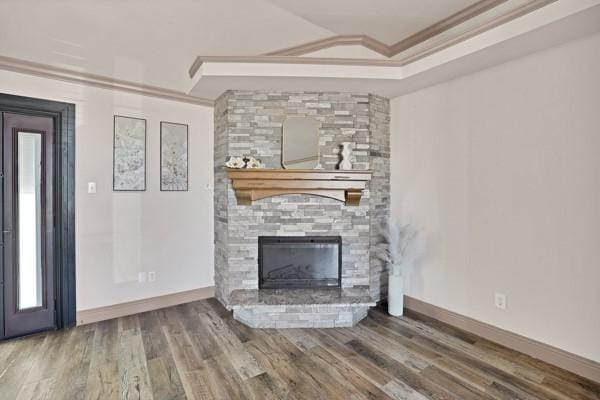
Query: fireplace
pixel 299 261
pixel 262 292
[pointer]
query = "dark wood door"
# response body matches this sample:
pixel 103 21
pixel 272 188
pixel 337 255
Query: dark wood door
pixel 28 223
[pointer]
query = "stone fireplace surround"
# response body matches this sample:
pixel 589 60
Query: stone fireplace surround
pixel 250 123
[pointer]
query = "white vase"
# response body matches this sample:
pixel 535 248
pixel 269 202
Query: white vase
pixel 346 163
pixel 396 295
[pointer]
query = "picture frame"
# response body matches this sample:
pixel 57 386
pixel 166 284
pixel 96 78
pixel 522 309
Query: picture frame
pixel 129 154
pixel 174 160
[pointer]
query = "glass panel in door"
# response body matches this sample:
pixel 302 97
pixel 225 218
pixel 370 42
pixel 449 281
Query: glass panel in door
pixel 29 206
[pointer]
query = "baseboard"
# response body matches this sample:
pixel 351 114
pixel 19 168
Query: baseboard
pixel 138 306
pixel 552 355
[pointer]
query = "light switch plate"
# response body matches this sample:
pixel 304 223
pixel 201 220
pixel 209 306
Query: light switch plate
pixel 91 187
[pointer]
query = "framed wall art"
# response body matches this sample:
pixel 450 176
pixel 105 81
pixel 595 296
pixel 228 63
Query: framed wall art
pixel 173 157
pixel 129 154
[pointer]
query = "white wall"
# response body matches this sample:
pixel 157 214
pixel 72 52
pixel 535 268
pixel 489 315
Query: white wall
pixel 120 234
pixel 501 170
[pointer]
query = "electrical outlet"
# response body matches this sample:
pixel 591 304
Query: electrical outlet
pixel 151 276
pixel 500 301
pixel 141 277
pixel 91 187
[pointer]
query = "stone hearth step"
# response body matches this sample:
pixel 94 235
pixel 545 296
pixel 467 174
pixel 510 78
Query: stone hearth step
pixel 300 308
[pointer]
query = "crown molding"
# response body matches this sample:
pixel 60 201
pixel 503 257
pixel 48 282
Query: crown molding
pixel 66 75
pixel 334 41
pixel 445 24
pixel 361 62
pixel 499 20
pixel 557 23
pixel 292 57
pixel 439 27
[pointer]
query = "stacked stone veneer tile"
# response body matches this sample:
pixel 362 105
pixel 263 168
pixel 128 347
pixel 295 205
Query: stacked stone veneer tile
pixel 250 123
pixel 294 316
pixel 301 308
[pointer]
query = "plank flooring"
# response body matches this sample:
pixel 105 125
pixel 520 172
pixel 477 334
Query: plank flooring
pixel 197 351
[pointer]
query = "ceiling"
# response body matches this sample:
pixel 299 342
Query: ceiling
pixel 388 21
pixel 152 42
pixel 155 42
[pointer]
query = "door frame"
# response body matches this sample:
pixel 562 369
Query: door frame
pixel 63 115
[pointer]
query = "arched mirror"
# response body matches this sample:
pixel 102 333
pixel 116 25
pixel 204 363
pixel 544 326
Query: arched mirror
pixel 300 149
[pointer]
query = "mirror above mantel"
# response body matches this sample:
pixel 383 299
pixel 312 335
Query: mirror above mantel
pixel 300 143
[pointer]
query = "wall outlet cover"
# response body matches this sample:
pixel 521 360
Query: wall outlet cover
pixel 500 301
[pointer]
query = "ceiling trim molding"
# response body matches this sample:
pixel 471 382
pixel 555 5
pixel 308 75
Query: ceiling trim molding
pixel 359 62
pixel 439 27
pixel 398 62
pixel 445 24
pixel 334 41
pixel 67 75
pixel 500 20
pixel 195 66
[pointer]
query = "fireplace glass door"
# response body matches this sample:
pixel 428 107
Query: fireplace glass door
pixel 299 262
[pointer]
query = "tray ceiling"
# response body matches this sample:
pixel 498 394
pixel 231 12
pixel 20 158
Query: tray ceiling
pixel 155 42
pixel 388 21
pixel 148 46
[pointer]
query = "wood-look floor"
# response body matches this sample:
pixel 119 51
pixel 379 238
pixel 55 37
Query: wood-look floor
pixel 197 351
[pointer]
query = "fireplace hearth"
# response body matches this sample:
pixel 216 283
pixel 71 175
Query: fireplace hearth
pixel 299 262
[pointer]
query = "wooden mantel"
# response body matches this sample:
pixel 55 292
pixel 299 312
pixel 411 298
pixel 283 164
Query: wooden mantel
pixel 256 184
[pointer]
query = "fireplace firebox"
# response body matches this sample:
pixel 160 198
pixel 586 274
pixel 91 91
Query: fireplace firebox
pixel 299 261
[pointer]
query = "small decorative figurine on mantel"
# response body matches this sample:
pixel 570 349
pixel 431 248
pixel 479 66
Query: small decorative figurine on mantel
pixel 346 163
pixel 235 162
pixel 252 162
pixel 244 162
